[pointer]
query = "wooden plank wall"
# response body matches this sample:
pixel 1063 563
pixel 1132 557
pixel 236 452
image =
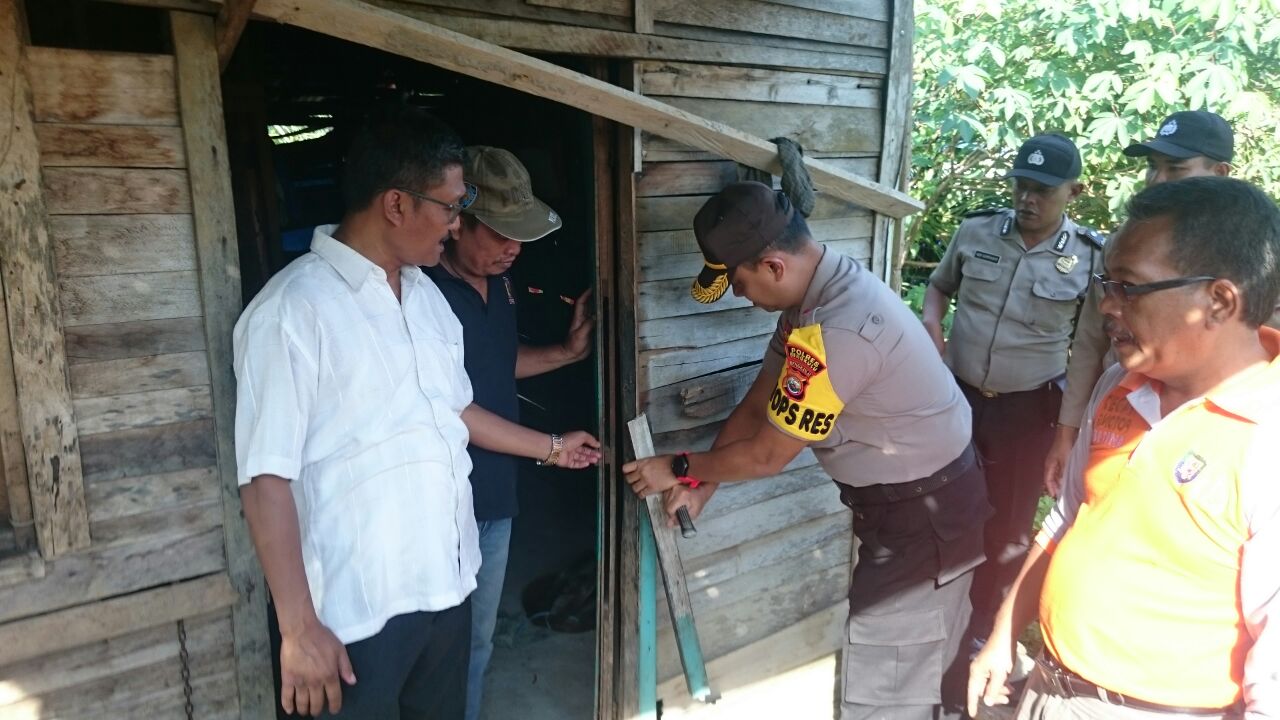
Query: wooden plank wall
pixel 120 220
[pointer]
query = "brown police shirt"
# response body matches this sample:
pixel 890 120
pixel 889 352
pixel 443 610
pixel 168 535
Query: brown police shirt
pixel 1014 306
pixel 859 379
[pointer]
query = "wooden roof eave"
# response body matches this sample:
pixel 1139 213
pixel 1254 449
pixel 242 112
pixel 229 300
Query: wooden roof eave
pixel 392 32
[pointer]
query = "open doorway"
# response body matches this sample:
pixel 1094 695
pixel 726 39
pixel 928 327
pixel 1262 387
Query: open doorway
pixel 292 98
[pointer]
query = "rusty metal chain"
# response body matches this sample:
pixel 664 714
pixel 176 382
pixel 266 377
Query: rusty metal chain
pixel 185 659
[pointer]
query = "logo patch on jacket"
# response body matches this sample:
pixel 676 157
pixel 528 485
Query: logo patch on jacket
pixel 1188 468
pixel 804 404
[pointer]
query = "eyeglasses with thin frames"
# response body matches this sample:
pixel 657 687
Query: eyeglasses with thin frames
pixel 1124 292
pixel 455 209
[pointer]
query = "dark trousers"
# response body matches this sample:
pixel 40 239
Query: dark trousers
pixel 909 602
pixel 415 668
pixel 1013 432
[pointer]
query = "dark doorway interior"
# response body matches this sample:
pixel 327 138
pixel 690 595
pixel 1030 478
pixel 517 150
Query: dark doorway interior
pixel 292 98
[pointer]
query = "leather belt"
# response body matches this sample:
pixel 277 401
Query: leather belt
pixel 1069 684
pixel 894 492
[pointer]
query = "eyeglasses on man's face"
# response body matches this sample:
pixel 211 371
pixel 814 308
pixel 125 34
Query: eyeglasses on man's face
pixel 1124 291
pixel 454 209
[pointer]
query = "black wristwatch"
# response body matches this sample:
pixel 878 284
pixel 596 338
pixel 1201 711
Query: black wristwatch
pixel 680 465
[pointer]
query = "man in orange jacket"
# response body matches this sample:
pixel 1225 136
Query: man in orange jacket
pixel 1156 572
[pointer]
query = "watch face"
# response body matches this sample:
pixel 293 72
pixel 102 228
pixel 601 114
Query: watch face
pixel 680 465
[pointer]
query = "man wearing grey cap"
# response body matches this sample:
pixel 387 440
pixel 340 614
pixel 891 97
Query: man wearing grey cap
pixel 501 216
pixel 1019 276
pixel 851 374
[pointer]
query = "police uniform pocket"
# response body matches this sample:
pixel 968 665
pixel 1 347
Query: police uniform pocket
pixel 958 512
pixel 980 270
pixel 1054 303
pixel 895 659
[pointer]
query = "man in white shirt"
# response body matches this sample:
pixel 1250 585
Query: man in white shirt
pixel 353 416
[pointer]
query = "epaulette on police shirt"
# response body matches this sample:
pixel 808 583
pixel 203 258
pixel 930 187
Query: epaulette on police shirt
pixel 984 211
pixel 1094 237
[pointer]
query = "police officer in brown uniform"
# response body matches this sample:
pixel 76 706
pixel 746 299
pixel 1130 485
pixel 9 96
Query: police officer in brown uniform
pixel 850 373
pixel 1019 276
pixel 1192 143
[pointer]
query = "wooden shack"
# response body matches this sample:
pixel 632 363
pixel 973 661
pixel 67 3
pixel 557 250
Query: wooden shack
pixel 128 585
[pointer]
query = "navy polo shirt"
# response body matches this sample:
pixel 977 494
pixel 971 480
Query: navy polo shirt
pixel 489 355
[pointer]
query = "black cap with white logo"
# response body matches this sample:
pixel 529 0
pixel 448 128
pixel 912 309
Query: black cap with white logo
pixel 1190 133
pixel 1051 159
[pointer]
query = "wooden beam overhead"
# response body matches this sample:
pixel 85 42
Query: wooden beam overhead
pixel 230 23
pixel 392 32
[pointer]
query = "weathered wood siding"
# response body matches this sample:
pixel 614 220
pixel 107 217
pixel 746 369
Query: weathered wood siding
pixel 119 205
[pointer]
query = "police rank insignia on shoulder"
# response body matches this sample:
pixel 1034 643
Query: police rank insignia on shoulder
pixel 804 404
pixel 1094 237
pixel 1066 263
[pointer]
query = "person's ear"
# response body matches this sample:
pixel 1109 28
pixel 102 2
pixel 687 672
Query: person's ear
pixel 1076 190
pixel 1225 301
pixel 395 206
pixel 775 266
pixel 1222 169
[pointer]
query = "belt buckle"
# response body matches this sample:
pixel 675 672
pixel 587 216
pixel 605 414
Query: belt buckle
pixel 989 394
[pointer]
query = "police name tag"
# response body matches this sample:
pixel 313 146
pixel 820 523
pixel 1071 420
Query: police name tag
pixel 982 255
pixel 1066 263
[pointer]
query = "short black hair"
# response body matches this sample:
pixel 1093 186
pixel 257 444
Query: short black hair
pixel 1222 227
pixel 398 146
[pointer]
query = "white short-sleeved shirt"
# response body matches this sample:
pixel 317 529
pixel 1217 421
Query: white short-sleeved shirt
pixel 357 399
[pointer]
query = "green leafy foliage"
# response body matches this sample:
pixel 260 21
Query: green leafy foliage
pixel 991 73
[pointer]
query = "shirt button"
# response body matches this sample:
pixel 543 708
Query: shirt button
pixel 876 320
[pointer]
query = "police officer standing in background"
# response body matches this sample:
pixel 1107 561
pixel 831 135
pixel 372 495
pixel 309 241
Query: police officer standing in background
pixel 1018 276
pixel 850 373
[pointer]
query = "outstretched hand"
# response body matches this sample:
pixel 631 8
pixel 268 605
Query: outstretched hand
pixel 580 450
pixel 577 343
pixel 650 476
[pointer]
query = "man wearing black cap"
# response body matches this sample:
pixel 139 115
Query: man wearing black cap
pixel 850 373
pixel 1193 143
pixel 1018 277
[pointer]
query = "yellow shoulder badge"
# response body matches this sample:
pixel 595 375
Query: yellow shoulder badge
pixel 804 404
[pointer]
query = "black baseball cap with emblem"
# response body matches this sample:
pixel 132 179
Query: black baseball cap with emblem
pixel 732 227
pixel 1187 134
pixel 1051 159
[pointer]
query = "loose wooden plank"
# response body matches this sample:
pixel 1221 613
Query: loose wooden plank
pixel 81 86
pixel 754 15
pixel 150 372
pixel 122 298
pixel 200 98
pixel 46 422
pixel 124 654
pixel 791 647
pixel 121 497
pixel 116 340
pixel 92 191
pixel 98 573
pixel 148 451
pixel 757 84
pixel 85 145
pixel 821 130
pixel 388 31
pixel 597 42
pixel 142 409
pixel 118 244
pixel 679 605
pixel 67 629
pixel 700 401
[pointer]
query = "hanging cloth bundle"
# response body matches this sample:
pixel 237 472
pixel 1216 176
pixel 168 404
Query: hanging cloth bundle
pixel 796 182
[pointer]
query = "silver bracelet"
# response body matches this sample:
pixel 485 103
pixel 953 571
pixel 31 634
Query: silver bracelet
pixel 557 445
